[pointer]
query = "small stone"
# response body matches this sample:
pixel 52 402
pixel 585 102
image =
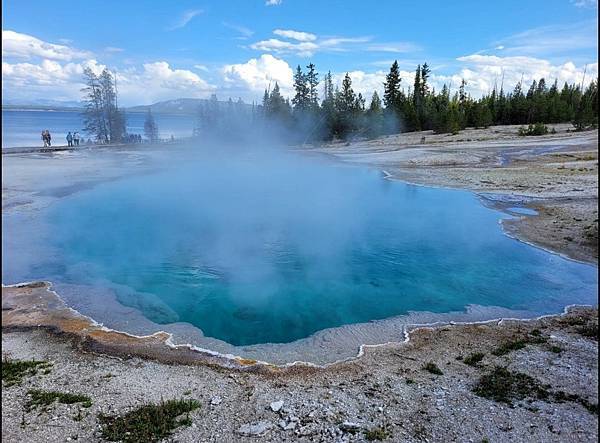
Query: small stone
pixel 349 426
pixel 291 426
pixel 380 409
pixel 255 429
pixel 276 405
pixel 216 400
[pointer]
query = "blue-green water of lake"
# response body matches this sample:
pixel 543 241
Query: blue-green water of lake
pixel 272 248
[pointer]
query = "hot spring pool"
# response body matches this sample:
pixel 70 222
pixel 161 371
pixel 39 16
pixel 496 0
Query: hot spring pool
pixel 260 249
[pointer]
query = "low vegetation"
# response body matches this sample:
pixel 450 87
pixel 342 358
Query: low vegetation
pixel 433 368
pixel 537 129
pixel 13 371
pixel 534 337
pixel 505 386
pixel 377 434
pixel 40 397
pixel 473 359
pixel 148 423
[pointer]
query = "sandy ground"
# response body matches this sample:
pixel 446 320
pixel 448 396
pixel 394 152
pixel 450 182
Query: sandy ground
pixel 386 387
pixel 556 174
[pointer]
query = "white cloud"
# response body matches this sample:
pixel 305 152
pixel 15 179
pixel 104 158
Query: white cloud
pixel 585 3
pixel 306 44
pixel 295 35
pixel 257 74
pixel 245 33
pixel 398 47
pixel 303 49
pixel 273 2
pixel 482 72
pixel 554 40
pixel 113 49
pixel 150 83
pixel 185 18
pixel 17 45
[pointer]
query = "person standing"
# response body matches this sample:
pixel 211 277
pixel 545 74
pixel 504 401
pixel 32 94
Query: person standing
pixel 44 138
pixel 48 138
pixel 76 138
pixel 69 139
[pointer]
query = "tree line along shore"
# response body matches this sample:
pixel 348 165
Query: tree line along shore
pixel 321 111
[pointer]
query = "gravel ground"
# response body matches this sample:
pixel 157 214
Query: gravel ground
pixel 385 388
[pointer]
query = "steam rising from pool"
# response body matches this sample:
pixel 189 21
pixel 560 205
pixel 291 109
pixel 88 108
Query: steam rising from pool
pixel 260 246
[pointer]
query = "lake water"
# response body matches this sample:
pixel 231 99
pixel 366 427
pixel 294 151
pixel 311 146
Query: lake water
pixel 23 128
pixel 269 247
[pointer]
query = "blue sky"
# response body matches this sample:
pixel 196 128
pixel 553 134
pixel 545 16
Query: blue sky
pixel 187 48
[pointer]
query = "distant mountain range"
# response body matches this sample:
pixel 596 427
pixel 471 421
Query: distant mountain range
pixel 41 104
pixel 177 106
pixel 185 106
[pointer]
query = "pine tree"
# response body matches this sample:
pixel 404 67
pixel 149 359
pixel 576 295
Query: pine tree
pixel 94 119
pixel 150 127
pixel 312 80
pixel 391 88
pixel 301 100
pixel 375 116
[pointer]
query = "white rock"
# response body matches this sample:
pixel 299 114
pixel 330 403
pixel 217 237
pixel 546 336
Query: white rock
pixel 216 400
pixel 276 405
pixel 255 429
pixel 291 426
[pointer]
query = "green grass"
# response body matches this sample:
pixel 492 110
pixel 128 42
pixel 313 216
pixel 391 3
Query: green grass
pixel 13 371
pixel 589 330
pixel 432 367
pixel 148 423
pixel 505 386
pixel 535 338
pixel 46 398
pixel 555 349
pixel 377 434
pixel 473 359
pixel 510 346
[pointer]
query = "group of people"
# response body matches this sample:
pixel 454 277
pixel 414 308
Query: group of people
pixel 132 138
pixel 46 138
pixel 73 139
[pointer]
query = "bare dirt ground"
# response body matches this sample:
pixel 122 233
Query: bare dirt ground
pixel 548 392
pixel 556 174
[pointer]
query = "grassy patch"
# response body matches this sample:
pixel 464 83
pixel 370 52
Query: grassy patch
pixel 433 368
pixel 13 371
pixel 555 349
pixel 505 386
pixel 535 338
pixel 510 346
pixel 148 423
pixel 473 359
pixel 589 330
pixel 377 434
pixel 409 381
pixel 46 398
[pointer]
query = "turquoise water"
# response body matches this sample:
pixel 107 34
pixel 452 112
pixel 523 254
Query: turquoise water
pixel 255 249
